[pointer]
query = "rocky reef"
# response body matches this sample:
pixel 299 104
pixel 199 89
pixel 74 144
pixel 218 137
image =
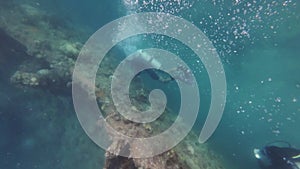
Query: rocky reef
pixel 52 49
pixel 50 46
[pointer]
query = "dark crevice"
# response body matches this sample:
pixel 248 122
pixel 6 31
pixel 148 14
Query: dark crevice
pixel 12 54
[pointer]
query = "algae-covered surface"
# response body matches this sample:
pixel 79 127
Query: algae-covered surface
pixel 258 43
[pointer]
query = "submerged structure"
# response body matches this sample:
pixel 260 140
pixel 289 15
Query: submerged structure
pixel 51 48
pixel 40 41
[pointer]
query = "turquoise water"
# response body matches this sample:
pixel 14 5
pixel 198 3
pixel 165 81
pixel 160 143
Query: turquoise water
pixel 258 43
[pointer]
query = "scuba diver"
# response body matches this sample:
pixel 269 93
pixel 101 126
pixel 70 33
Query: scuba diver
pixel 275 157
pixel 181 73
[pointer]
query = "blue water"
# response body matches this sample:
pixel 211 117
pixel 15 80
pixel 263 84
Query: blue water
pixel 259 45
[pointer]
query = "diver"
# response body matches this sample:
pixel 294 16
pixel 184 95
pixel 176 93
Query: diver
pixel 180 72
pixel 276 157
pixel 144 60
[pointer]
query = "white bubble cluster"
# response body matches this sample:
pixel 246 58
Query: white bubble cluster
pixel 167 6
pixel 231 25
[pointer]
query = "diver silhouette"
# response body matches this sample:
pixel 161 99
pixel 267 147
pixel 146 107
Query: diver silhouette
pixel 275 157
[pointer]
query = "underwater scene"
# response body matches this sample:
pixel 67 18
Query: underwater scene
pixel 150 84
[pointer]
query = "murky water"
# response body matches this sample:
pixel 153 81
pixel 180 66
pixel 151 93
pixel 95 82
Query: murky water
pixel 257 41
